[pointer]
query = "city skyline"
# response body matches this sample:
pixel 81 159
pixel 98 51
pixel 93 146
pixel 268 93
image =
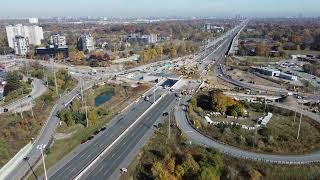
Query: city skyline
pixel 139 8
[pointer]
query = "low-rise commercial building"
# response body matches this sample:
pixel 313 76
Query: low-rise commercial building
pixel 52 51
pixel 275 73
pixel 267 71
pixel 288 76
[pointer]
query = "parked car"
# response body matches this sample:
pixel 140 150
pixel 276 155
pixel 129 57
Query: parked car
pixel 102 129
pixel 90 138
pixel 165 114
pixel 124 170
pixel 97 132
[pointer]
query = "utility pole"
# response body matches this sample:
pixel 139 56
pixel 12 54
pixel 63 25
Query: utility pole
pixel 31 109
pixel 84 102
pixel 299 126
pixel 86 113
pixel 55 81
pixel 295 116
pixel 169 128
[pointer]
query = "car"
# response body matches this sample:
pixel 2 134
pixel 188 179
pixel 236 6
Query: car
pixel 90 138
pixel 96 132
pixel 103 129
pixel 29 96
pixel 84 141
pixel 165 114
pixel 124 170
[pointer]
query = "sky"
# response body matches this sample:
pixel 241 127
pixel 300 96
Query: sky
pixel 139 8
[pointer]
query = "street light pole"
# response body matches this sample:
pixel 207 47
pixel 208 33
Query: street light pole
pixel 41 147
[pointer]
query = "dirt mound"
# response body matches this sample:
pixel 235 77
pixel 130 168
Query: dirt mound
pixel 288 100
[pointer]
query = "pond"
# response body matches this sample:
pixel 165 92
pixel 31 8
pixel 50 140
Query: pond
pixel 104 97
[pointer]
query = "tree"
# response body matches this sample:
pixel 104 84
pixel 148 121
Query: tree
pixel 190 165
pixel 76 56
pixel 209 173
pixel 92 116
pixel 13 82
pixel 261 49
pixel 316 43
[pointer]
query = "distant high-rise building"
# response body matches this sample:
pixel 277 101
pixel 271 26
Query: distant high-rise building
pixel 21 45
pixel 146 38
pixel 58 40
pixel 33 33
pixel 86 43
pixel 33 20
pixel 207 27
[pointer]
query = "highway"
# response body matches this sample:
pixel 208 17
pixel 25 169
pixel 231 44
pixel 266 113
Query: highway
pixel 45 135
pixel 109 167
pixel 198 138
pixel 69 168
pixel 76 161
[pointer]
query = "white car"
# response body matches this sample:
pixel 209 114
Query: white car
pixel 124 170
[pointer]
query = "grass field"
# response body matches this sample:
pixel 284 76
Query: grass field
pixel 280 136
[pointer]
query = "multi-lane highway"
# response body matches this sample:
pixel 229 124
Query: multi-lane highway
pixel 108 167
pixel 75 163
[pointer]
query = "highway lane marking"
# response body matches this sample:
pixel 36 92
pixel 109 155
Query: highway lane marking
pixel 135 137
pixel 115 141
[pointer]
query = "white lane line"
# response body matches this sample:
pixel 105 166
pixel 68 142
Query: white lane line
pixel 115 141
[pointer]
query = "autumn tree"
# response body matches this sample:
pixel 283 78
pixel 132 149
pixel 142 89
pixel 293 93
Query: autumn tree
pixel 261 49
pixel 76 56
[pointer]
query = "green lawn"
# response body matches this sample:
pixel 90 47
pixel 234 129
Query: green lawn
pixel 279 136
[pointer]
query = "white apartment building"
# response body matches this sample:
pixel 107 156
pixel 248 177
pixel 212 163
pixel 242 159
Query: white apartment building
pixel 58 40
pixel 21 45
pixel 86 43
pixel 33 33
pixel 33 20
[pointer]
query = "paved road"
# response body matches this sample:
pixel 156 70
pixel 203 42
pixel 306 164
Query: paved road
pixel 109 167
pixel 38 89
pixel 198 138
pixel 45 135
pixel 71 166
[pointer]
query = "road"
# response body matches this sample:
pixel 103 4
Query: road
pixel 45 135
pixel 196 137
pixel 72 165
pixel 38 89
pixel 109 167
